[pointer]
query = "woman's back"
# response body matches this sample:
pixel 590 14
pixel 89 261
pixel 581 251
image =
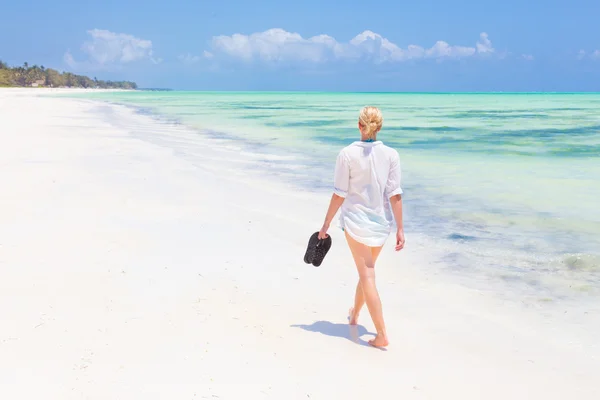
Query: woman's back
pixel 367 174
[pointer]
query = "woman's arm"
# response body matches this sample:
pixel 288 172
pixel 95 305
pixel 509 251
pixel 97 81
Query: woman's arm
pixel 396 203
pixel 334 205
pixel 393 191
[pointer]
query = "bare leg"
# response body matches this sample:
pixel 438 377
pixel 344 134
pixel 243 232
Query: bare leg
pixel 363 257
pixel 359 301
pixel 359 297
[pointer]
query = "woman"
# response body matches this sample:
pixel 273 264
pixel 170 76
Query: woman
pixel 367 188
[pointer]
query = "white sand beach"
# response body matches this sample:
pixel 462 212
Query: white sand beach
pixel 131 271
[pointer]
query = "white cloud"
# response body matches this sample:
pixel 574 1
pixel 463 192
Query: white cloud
pixel 485 44
pixel 274 45
pixel 188 58
pixel 69 60
pixel 527 57
pixel 594 55
pixel 110 48
pixel 278 45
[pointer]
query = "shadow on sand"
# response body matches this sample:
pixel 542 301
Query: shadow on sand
pixel 344 331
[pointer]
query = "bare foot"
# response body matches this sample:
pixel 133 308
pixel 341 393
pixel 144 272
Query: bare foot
pixel 379 341
pixel 352 317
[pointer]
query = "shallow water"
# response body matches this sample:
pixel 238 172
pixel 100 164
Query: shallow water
pixel 501 185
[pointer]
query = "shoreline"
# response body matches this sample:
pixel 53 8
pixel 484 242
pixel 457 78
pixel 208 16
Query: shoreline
pixel 47 90
pixel 143 272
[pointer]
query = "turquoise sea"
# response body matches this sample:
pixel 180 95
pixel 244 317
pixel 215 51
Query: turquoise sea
pixel 501 186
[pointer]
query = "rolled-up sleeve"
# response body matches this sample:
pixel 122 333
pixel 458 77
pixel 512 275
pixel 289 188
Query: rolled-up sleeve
pixel 341 181
pixel 393 185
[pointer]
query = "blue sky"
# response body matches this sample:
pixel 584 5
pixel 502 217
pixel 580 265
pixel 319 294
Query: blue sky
pixel 431 45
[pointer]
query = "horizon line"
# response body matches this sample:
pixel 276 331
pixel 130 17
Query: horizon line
pixel 365 92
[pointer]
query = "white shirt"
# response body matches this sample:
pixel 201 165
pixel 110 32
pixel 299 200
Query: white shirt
pixel 367 174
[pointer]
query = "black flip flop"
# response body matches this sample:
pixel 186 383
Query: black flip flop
pixel 316 249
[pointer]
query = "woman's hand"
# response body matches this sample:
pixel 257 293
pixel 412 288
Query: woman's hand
pixel 323 231
pixel 399 239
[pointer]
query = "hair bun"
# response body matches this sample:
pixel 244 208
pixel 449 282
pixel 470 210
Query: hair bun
pixel 372 119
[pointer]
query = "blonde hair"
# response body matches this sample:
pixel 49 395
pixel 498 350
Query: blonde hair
pixel 371 120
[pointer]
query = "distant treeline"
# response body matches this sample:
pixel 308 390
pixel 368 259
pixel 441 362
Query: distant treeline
pixel 35 76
